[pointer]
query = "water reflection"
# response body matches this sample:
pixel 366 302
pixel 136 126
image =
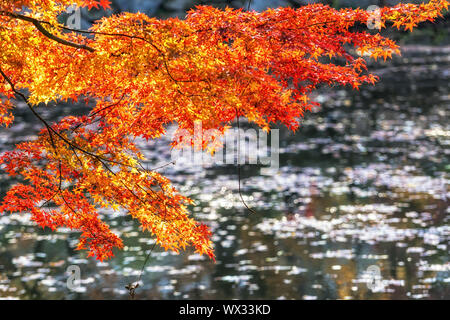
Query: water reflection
pixel 363 183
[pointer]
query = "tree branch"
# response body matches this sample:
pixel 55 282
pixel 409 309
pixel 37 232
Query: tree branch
pixel 46 33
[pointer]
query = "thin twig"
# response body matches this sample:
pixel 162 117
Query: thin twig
pixel 239 165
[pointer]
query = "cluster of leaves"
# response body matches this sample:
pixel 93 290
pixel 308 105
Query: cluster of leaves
pixel 143 74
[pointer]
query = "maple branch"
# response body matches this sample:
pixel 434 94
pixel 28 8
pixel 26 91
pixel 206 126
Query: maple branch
pixel 38 24
pixel 51 129
pixel 49 133
pixel 41 22
pixel 99 158
pixel 93 235
pixel 73 147
pixel 98 111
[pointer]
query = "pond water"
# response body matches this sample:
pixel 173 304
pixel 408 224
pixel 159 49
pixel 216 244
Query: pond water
pixel 362 186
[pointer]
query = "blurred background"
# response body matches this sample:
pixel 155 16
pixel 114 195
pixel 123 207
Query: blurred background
pixel 362 186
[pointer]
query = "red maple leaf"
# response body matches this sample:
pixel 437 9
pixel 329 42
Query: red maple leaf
pixel 105 4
